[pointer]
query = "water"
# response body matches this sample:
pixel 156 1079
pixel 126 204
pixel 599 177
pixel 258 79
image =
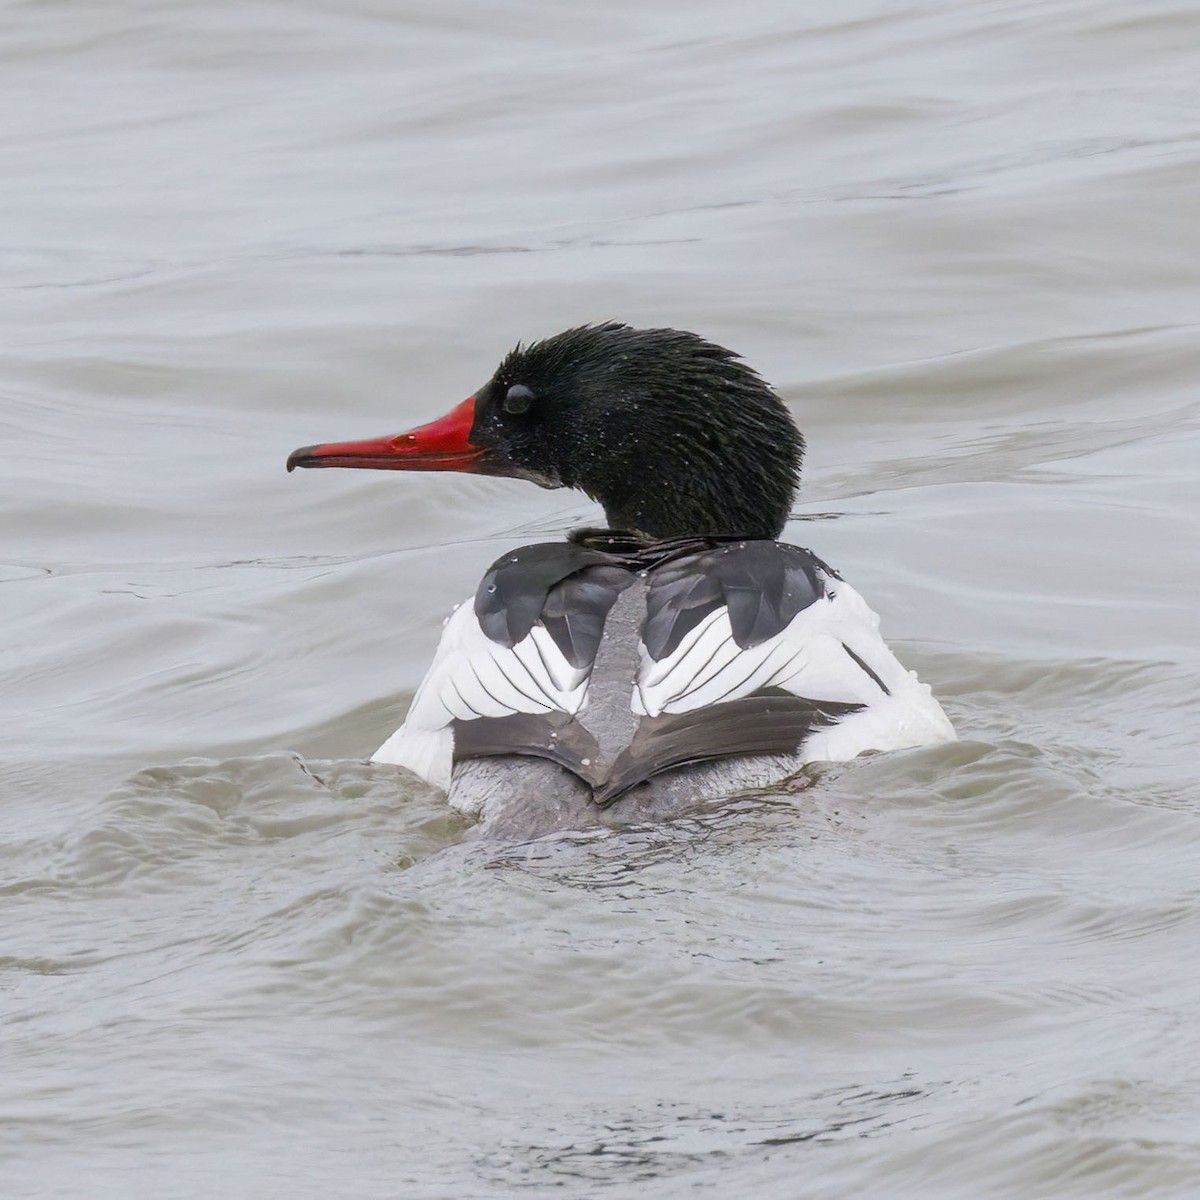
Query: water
pixel 235 960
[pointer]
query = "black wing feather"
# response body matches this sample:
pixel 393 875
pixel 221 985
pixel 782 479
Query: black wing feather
pixel 768 723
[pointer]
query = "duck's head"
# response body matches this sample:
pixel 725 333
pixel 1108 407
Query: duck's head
pixel 674 436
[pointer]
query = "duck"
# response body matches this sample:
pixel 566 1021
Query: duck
pixel 679 654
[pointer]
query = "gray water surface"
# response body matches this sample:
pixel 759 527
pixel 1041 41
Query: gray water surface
pixel 237 961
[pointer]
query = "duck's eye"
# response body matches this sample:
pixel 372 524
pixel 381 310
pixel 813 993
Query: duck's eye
pixel 518 399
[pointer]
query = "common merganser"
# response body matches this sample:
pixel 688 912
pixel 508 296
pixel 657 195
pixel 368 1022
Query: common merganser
pixel 681 653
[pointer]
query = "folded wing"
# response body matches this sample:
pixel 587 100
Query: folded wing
pixel 474 677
